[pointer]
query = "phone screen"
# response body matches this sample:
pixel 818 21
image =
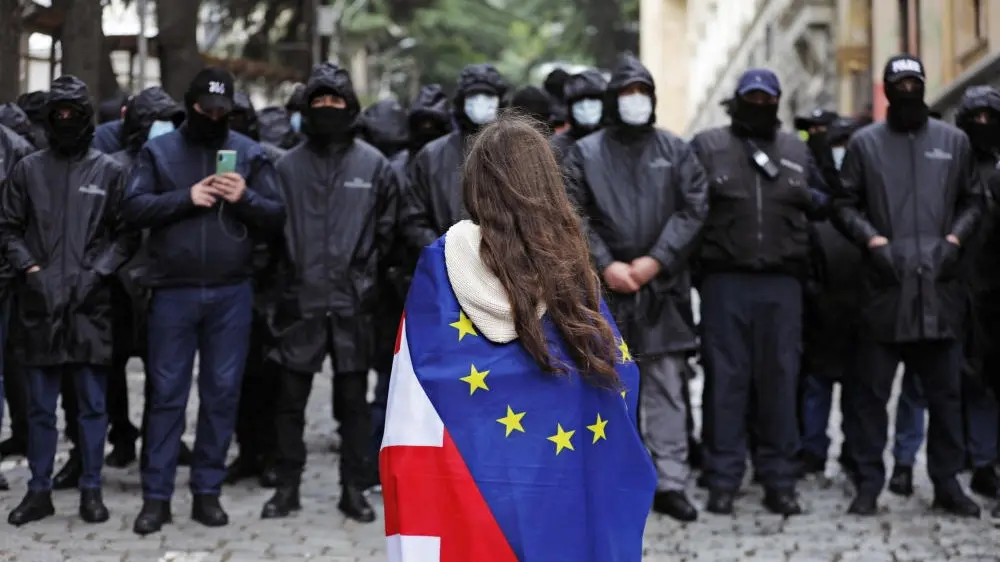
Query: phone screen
pixel 225 162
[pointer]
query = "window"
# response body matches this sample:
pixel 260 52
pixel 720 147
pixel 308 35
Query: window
pixel 979 19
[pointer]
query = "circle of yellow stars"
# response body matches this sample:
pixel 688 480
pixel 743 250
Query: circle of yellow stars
pixel 563 439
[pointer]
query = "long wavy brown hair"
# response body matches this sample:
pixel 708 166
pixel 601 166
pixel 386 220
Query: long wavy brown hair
pixel 533 242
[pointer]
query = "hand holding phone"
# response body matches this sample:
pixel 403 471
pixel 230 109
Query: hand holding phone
pixel 203 193
pixel 225 162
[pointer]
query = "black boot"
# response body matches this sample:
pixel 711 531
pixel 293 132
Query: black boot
pixel 184 457
pixel 865 503
pixel 782 502
pixel 284 501
pixel 34 507
pixel 354 505
pixel 121 456
pixel 13 448
pixel 720 502
pixel 68 477
pixel 245 466
pixel 901 482
pixel 810 463
pixel 92 508
pixel 4 486
pixel 152 517
pixel 985 482
pixel 675 504
pixel 952 499
pixel 207 510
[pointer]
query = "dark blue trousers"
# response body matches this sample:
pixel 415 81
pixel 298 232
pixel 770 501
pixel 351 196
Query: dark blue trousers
pixel 91 384
pixel 215 322
pixel 751 345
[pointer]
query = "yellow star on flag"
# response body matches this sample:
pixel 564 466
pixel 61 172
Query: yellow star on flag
pixel 512 421
pixel 464 326
pixel 598 429
pixel 626 354
pixel 476 380
pixel 562 439
pixel 623 393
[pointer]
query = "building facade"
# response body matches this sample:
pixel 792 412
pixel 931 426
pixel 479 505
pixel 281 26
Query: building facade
pixel 723 38
pixel 958 40
pixel 827 53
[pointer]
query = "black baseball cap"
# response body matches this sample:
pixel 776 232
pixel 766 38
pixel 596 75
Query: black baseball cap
pixel 903 66
pixel 211 89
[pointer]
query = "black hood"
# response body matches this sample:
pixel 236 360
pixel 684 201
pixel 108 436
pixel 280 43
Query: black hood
pixel 243 110
pixel 15 119
pixel 555 84
pixel 33 104
pixel 328 76
pixel 533 101
pixel 476 78
pixel 69 90
pixel 431 102
pixel 149 105
pixel 975 99
pixel 111 109
pixel 587 84
pixel 274 126
pixel 628 71
pixel 297 101
pixel 384 125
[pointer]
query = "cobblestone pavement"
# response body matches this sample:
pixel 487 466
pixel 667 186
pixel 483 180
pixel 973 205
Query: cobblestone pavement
pixel 904 532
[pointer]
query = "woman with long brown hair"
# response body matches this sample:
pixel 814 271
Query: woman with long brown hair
pixel 510 432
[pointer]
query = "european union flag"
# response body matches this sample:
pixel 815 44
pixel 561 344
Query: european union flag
pixel 487 458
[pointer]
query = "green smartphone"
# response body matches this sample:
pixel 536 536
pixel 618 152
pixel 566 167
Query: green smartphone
pixel 225 162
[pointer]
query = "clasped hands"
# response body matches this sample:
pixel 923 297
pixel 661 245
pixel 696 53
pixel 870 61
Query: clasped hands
pixel 624 277
pixel 230 186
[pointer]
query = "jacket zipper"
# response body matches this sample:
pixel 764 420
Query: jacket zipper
pixel 760 216
pixel 916 232
pixel 326 233
pixel 66 238
pixel 202 223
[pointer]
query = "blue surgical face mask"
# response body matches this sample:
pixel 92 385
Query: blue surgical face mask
pixel 635 109
pixel 296 120
pixel 160 128
pixel 838 155
pixel 588 112
pixel 481 108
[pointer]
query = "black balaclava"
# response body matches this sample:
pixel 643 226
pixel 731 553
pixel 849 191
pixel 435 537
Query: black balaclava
pixel 984 137
pixel 202 129
pixel 72 135
pixel 430 117
pixel 907 111
pixel 328 125
pixel 754 120
pixel 424 129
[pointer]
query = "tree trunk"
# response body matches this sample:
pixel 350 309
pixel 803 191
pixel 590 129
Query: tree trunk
pixel 10 49
pixel 82 43
pixel 177 46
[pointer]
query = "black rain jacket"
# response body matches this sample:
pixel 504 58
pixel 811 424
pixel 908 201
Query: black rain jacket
pixel 433 195
pixel 432 104
pixel 384 126
pixel 244 107
pixel 589 84
pixel 131 297
pixel 276 128
pixel 15 119
pixel 33 105
pixel 341 205
pixel 62 214
pixel 13 147
pixel 913 189
pixel 642 192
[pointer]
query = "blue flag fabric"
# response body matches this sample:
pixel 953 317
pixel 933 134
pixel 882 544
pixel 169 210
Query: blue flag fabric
pixel 559 461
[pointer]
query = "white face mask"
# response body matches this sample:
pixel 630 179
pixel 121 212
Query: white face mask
pixel 838 155
pixel 481 108
pixel 588 112
pixel 160 128
pixel 635 109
